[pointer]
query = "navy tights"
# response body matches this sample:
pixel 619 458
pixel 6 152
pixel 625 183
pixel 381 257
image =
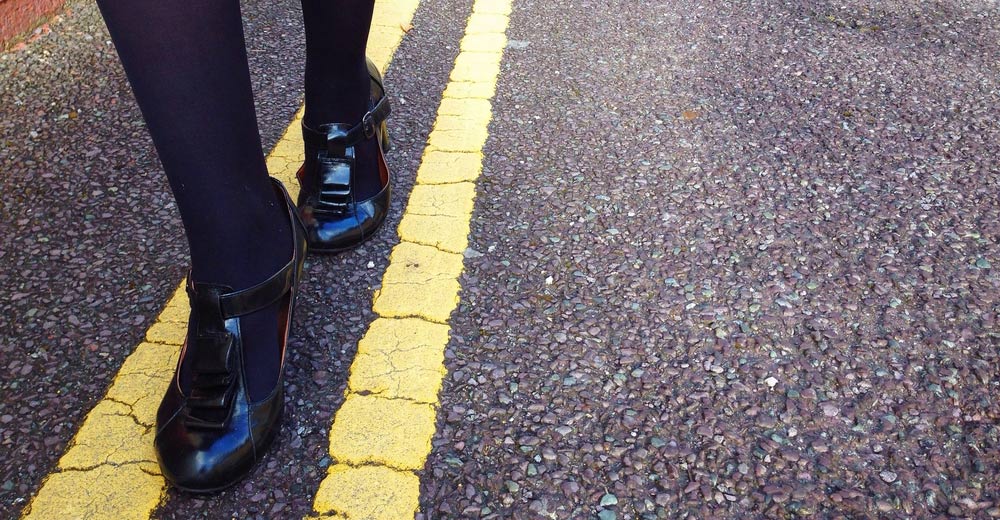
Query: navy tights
pixel 187 64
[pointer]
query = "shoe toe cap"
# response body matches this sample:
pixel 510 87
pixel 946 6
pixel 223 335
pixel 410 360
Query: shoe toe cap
pixel 203 460
pixel 336 233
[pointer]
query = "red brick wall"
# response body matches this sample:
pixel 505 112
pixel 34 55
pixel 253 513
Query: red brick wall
pixel 17 16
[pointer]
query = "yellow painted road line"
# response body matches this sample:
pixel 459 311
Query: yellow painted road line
pixel 382 434
pixel 109 470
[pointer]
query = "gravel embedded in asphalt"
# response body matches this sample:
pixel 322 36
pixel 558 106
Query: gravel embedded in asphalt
pixel 738 260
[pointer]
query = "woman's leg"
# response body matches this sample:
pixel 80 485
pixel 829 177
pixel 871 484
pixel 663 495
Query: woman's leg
pixel 336 84
pixel 187 64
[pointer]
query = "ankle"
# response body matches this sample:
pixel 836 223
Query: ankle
pixel 342 98
pixel 253 246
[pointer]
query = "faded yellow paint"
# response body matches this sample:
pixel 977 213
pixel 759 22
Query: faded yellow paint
pixel 443 200
pixel 420 281
pixel 438 215
pixel 483 22
pixel 470 89
pixel 451 123
pixel 476 66
pixel 501 7
pixel 106 492
pixel 447 167
pixel 167 333
pixel 483 42
pixel 461 125
pixel 384 429
pixel 457 140
pixel 450 234
pixel 376 430
pixel 286 157
pixel 177 309
pixel 400 359
pixel 469 109
pixel 109 470
pixel 367 492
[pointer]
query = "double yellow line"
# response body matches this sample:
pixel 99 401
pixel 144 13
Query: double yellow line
pixel 382 433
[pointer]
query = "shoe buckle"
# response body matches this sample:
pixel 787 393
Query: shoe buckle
pixel 368 124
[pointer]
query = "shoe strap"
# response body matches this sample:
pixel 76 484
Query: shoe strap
pixel 335 179
pixel 260 296
pixel 213 359
pixel 335 139
pixel 232 304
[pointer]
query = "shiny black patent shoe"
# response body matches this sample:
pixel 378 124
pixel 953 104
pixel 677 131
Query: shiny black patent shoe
pixel 210 435
pixel 335 220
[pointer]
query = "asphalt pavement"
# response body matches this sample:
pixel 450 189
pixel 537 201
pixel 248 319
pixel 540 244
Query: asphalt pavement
pixel 727 260
pixel 739 260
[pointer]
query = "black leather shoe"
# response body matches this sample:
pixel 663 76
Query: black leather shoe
pixel 211 435
pixel 335 220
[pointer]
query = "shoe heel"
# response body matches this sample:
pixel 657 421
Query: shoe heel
pixel 377 92
pixel 384 137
